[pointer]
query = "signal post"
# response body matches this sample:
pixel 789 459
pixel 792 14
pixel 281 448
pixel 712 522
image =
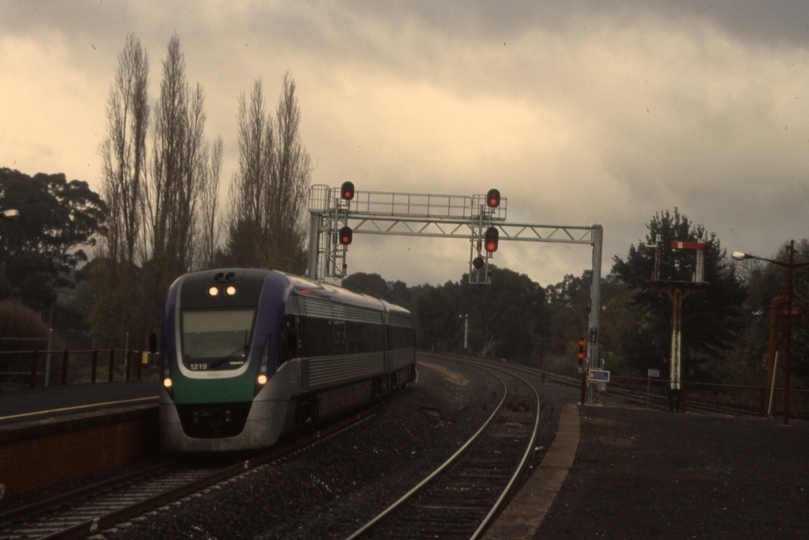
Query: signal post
pixel 677 291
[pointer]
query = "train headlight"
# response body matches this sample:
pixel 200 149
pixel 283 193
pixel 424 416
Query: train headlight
pixel 231 290
pixel 213 290
pixel 167 382
pixel 263 367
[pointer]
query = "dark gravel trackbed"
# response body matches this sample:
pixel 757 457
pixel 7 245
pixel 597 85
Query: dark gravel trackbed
pixel 332 489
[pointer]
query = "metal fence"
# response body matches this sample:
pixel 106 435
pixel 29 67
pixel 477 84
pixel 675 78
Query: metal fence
pixel 40 368
pixel 16 355
pixel 755 399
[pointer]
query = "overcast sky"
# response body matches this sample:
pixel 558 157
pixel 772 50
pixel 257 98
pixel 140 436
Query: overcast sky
pixel 600 112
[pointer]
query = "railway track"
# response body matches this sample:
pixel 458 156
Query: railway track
pixel 461 497
pixel 84 512
pixel 633 396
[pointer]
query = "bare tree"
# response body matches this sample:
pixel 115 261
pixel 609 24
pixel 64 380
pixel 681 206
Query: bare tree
pixel 268 191
pixel 123 152
pixel 178 167
pixel 249 189
pixel 163 211
pixel 179 172
pixel 290 181
pixel 210 219
pixel 123 155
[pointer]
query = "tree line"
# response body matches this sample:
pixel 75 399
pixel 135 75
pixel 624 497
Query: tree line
pixel 161 182
pixel 725 328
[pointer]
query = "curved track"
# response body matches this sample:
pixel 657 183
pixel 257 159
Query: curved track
pixel 637 397
pixel 460 498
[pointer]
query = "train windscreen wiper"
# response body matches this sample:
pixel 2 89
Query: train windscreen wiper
pixel 245 348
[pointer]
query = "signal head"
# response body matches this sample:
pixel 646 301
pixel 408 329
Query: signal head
pixel 493 198
pixel 346 235
pixel 491 239
pixel 347 191
pixel 478 263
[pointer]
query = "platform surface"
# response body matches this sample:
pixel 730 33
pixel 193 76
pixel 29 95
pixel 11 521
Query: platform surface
pixel 56 402
pixel 641 473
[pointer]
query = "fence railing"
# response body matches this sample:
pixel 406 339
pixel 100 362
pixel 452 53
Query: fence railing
pixel 34 368
pixel 755 399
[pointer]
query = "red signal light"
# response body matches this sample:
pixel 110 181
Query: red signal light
pixel 581 350
pixel 346 235
pixel 347 191
pixel 493 198
pixel 491 239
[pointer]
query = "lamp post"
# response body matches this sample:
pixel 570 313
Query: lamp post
pixel 791 266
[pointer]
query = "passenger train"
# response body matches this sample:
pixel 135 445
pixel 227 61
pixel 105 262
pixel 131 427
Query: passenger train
pixel 248 355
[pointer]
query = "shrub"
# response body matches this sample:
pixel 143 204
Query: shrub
pixel 19 321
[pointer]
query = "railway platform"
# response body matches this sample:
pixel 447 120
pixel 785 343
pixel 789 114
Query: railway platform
pixel 630 472
pixel 25 405
pixel 92 427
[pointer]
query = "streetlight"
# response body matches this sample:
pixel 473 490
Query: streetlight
pixel 791 266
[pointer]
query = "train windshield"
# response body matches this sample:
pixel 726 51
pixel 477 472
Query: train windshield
pixel 216 339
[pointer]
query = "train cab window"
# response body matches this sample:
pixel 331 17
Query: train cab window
pixel 218 339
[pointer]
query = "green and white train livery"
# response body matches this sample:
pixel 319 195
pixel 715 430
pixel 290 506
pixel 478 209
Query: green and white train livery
pixel 248 355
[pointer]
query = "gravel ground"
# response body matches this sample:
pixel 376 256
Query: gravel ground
pixel 333 488
pixel 642 473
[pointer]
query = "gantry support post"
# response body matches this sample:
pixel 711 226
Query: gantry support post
pixel 595 309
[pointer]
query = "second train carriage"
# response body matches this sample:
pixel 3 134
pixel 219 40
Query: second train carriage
pixel 248 355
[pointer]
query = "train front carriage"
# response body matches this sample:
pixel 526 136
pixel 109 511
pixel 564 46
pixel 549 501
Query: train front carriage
pixel 248 355
pixel 219 335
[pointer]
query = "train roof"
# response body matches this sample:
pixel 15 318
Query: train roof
pixel 335 293
pixel 301 287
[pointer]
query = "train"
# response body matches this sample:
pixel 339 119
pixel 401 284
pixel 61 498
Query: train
pixel 248 355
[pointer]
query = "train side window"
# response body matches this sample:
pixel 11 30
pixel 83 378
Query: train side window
pixel 375 336
pixel 363 337
pixel 355 338
pixel 288 345
pixel 402 337
pixel 339 337
pixel 316 336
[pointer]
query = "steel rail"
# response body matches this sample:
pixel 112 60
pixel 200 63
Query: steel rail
pixel 109 520
pixel 39 507
pixel 637 396
pixel 520 468
pixel 407 496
